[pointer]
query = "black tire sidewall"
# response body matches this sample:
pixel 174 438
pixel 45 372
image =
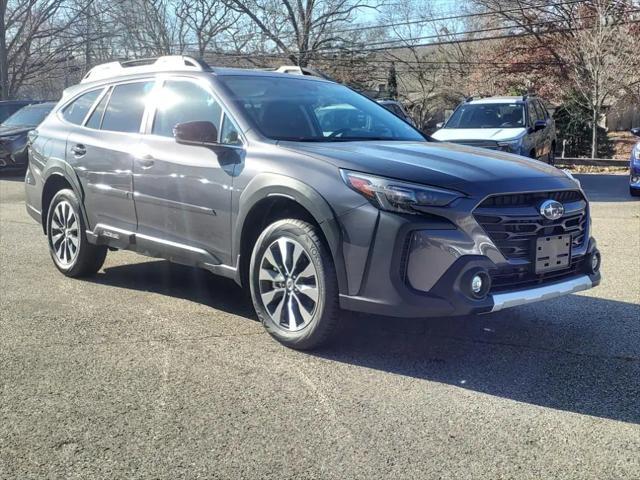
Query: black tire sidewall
pixel 303 233
pixel 74 268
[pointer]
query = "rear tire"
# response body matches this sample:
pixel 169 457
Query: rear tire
pixel 69 248
pixel 293 284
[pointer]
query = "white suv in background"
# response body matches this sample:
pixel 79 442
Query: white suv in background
pixel 520 125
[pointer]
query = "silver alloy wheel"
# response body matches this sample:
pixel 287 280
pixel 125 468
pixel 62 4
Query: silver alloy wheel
pixel 64 236
pixel 288 284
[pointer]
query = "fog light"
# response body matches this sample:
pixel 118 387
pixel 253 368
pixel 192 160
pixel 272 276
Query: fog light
pixel 635 179
pixel 595 261
pixel 476 284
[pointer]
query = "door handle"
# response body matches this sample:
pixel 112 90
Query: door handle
pixel 146 161
pixel 79 150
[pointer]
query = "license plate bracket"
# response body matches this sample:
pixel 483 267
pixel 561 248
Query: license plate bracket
pixel 553 253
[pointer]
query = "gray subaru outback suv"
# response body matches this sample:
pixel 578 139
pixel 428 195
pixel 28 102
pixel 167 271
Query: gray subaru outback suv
pixel 312 196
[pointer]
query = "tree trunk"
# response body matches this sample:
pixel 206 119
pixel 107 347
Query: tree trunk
pixel 594 133
pixel 4 62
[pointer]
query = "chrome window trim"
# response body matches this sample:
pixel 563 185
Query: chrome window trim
pixel 110 86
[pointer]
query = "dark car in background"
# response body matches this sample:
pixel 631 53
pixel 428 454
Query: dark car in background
pixel 520 125
pixel 634 167
pixel 396 107
pixel 9 107
pixel 14 131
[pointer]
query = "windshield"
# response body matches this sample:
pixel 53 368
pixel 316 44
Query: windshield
pixel 488 115
pixel 312 111
pixel 29 116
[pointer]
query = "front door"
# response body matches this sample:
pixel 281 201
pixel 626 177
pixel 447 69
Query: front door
pixel 183 192
pixel 541 137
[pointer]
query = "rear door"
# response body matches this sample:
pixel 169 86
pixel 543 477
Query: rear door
pixel 183 192
pixel 101 152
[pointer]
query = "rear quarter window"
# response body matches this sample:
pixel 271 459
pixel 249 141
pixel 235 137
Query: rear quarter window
pixel 78 109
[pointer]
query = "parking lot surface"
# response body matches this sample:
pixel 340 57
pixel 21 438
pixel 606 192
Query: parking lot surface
pixel 152 370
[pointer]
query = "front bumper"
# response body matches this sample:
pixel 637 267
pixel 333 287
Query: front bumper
pixel 420 267
pixel 544 292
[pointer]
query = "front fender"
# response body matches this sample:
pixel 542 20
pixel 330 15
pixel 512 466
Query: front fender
pixel 267 185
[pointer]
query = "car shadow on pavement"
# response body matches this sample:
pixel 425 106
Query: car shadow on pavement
pixel 577 353
pixel 602 187
pixel 179 281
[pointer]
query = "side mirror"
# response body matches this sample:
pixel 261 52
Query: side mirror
pixel 539 125
pixel 196 133
pixel 439 124
pixel 636 131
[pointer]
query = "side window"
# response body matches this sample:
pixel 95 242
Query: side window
pixel 95 120
pixel 183 101
pixel 544 109
pixel 533 115
pixel 229 134
pixel 78 109
pixel 540 111
pixel 126 107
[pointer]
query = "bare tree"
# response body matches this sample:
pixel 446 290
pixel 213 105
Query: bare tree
pixel 207 22
pixel 430 78
pixel 587 48
pixel 302 29
pixel 604 62
pixel 33 40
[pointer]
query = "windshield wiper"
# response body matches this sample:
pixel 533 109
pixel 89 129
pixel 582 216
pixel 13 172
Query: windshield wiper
pixel 359 139
pixel 300 139
pixel 336 139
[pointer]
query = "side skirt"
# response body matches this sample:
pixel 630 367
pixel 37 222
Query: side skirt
pixel 159 248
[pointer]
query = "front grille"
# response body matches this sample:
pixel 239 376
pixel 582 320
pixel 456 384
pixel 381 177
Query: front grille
pixel 478 143
pixel 520 277
pixel 531 199
pixel 513 222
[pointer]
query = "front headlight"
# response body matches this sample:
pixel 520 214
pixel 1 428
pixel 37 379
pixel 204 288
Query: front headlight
pixel 636 153
pixel 570 175
pixel 510 145
pixel 395 195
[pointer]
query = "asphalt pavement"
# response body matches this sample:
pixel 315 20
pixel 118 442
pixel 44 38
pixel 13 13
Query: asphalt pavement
pixel 152 370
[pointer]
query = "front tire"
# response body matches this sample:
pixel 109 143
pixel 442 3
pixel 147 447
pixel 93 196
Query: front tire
pixel 293 284
pixel 70 250
pixel 634 192
pixel 551 159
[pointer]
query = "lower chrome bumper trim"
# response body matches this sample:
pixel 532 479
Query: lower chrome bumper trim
pixel 545 292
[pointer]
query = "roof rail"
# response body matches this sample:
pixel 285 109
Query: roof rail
pixel 145 65
pixel 297 70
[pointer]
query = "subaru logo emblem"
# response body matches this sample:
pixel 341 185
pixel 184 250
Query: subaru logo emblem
pixel 551 209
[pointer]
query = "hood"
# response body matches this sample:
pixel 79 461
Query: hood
pixel 10 131
pixel 474 171
pixel 495 134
